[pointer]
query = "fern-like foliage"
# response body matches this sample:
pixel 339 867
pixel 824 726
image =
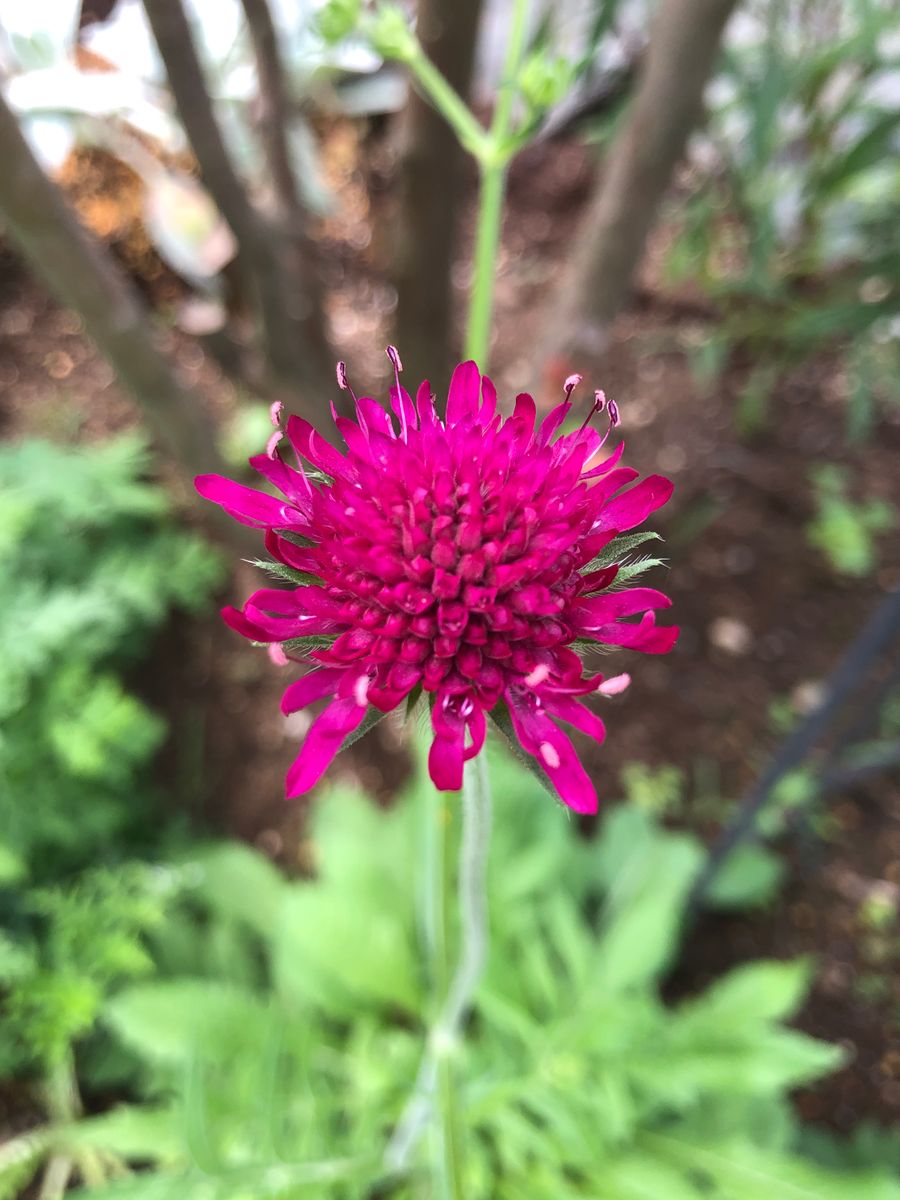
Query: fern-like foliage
pixel 93 562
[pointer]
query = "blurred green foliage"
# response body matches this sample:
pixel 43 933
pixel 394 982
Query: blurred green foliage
pixel 843 529
pixel 93 564
pixel 276 1037
pixel 791 224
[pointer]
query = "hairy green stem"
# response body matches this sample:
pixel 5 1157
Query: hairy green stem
pixel 435 1093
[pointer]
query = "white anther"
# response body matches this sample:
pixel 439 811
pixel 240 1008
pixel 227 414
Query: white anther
pixel 549 755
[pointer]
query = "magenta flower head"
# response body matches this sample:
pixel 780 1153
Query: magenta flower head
pixel 472 559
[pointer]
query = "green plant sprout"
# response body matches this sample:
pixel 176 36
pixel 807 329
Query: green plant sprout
pixel 845 530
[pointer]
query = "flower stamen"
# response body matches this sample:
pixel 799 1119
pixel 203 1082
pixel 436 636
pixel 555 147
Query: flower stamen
pixel 342 380
pixel 394 355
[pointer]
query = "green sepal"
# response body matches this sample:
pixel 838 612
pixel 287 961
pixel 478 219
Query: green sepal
pixel 412 700
pixel 628 572
pixel 499 714
pixel 282 571
pixel 296 539
pixel 619 547
pixel 372 718
pixel 312 641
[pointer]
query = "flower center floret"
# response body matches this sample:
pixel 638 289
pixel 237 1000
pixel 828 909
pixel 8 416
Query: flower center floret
pixel 456 573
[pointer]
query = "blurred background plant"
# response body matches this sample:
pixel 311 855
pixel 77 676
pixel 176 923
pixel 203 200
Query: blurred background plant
pixel 790 221
pixel 845 531
pixel 270 1043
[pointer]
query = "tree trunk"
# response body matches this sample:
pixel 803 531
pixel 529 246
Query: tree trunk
pixel 298 248
pixel 684 39
pixel 431 190
pixel 87 279
pixel 296 346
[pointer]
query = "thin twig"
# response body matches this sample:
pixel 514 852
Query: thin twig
pixel 431 181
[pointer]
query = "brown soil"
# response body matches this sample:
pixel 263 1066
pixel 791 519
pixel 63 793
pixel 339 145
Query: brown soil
pixel 762 613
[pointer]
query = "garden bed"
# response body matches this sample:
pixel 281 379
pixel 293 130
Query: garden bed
pixel 764 617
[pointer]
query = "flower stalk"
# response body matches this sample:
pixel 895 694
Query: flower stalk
pixel 434 1099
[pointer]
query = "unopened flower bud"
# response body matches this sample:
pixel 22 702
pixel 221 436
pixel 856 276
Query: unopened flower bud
pixel 338 19
pixel 390 33
pixel 543 81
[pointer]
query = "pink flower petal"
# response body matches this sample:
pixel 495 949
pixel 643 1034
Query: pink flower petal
pixel 556 754
pixel 321 682
pixel 325 737
pixel 245 504
pixel 615 685
pixel 464 394
pixel 635 506
pixel 310 444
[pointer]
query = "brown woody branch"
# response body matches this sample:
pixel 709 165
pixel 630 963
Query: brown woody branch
pixel 85 277
pixel 684 39
pixel 291 325
pixel 431 185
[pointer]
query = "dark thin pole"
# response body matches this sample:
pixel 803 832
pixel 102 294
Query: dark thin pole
pixel 876 635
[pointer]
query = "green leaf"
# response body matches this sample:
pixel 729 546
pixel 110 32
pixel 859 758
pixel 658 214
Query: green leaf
pixel 275 1181
pixel 745 1172
pixel 241 883
pixel 750 877
pixel 876 145
pixel 20 1158
pixel 642 1177
pixel 282 571
pixel 619 547
pixel 132 1133
pixel 645 906
pixel 347 942
pixel 755 993
pixel 171 1022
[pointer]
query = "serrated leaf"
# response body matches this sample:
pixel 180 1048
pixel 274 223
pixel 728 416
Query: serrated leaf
pixel 630 571
pixel 743 1171
pixel 282 571
pixel 620 547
